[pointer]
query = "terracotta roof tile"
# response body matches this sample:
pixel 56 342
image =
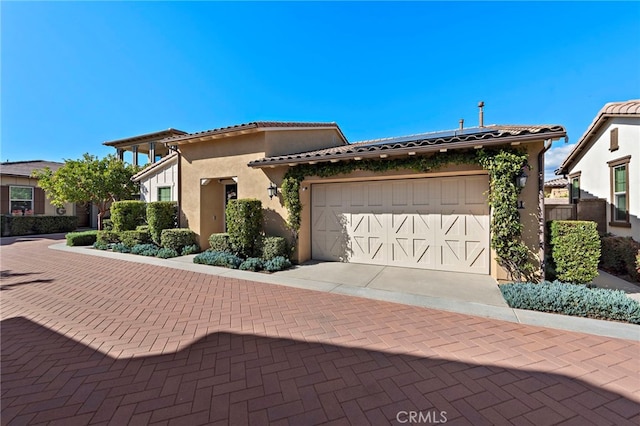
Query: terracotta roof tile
pixel 557 182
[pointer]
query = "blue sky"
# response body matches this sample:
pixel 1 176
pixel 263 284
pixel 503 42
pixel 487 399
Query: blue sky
pixel 76 74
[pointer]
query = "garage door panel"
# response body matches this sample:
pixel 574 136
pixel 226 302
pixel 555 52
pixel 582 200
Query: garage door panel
pixel 437 223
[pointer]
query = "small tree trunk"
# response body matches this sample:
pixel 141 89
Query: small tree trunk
pixel 100 214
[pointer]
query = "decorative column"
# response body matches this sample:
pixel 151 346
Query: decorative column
pixel 120 154
pixel 134 150
pixel 152 152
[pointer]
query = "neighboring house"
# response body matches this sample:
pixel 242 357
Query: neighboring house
pixel 20 194
pixel 437 220
pixel 556 191
pixel 159 180
pixel 146 144
pixel 605 164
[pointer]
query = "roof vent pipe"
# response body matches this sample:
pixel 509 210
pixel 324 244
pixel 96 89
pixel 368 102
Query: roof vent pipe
pixel 481 113
pixel 461 123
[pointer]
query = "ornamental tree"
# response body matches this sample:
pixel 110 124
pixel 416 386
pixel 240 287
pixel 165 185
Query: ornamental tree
pixel 89 179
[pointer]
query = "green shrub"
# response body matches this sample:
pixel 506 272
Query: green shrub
pixel 133 238
pixel 126 215
pixel 252 264
pixel 120 248
pixel 143 228
pixel 86 238
pixel 99 246
pixel 192 249
pixel 177 238
pixel 274 247
pixel 161 215
pixel 107 225
pixel 575 247
pixel 218 258
pixel 220 242
pixel 572 299
pixel 619 256
pixel 638 263
pixel 277 264
pixel 244 224
pixel 108 237
pixel 26 225
pixel 166 253
pixel 145 250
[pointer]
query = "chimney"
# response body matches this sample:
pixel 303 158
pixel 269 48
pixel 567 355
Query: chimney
pixel 461 123
pixel 481 113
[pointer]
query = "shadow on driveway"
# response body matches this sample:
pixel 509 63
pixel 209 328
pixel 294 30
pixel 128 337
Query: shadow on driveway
pixel 238 379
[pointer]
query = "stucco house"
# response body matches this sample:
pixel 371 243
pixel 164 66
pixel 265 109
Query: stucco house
pixel 20 194
pixel 605 164
pixel 556 191
pixel 435 220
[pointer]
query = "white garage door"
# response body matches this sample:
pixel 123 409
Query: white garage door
pixel 434 223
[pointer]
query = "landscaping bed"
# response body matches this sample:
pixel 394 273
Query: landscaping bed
pixel 572 299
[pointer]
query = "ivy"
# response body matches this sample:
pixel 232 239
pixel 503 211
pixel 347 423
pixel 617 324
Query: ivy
pixel 503 166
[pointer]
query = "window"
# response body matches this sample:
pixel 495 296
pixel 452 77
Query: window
pixel 620 192
pixel 574 190
pixel 164 193
pixel 613 139
pixel 21 200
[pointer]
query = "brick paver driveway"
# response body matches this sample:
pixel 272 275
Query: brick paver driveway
pixel 90 340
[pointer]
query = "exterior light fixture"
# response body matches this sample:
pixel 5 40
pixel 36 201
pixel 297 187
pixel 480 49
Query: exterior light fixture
pixel 521 179
pixel 272 190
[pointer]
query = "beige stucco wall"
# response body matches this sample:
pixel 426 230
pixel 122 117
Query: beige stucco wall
pixel 202 206
pixel 49 209
pixel 293 141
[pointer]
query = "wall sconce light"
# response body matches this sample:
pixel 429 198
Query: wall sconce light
pixel 521 179
pixel 272 190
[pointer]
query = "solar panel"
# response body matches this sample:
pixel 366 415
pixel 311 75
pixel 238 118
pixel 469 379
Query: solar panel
pixel 432 135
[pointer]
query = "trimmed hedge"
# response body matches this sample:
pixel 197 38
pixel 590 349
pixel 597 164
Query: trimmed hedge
pixel 218 258
pixel 27 225
pixel 274 247
pixel 107 225
pixel 133 238
pixel 575 249
pixel 572 299
pixel 220 242
pixel 177 238
pixel 127 215
pixel 86 238
pixel 108 237
pixel 619 256
pixel 244 219
pixel 161 215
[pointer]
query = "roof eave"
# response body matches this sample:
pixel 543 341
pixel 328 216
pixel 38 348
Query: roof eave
pixel 418 150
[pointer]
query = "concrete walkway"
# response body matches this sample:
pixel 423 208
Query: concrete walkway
pixel 92 340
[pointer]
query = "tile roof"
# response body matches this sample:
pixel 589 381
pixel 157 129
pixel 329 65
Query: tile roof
pixel 423 142
pixel 152 167
pixel 147 137
pixel 255 125
pixel 612 109
pixel 25 168
pixel 557 182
